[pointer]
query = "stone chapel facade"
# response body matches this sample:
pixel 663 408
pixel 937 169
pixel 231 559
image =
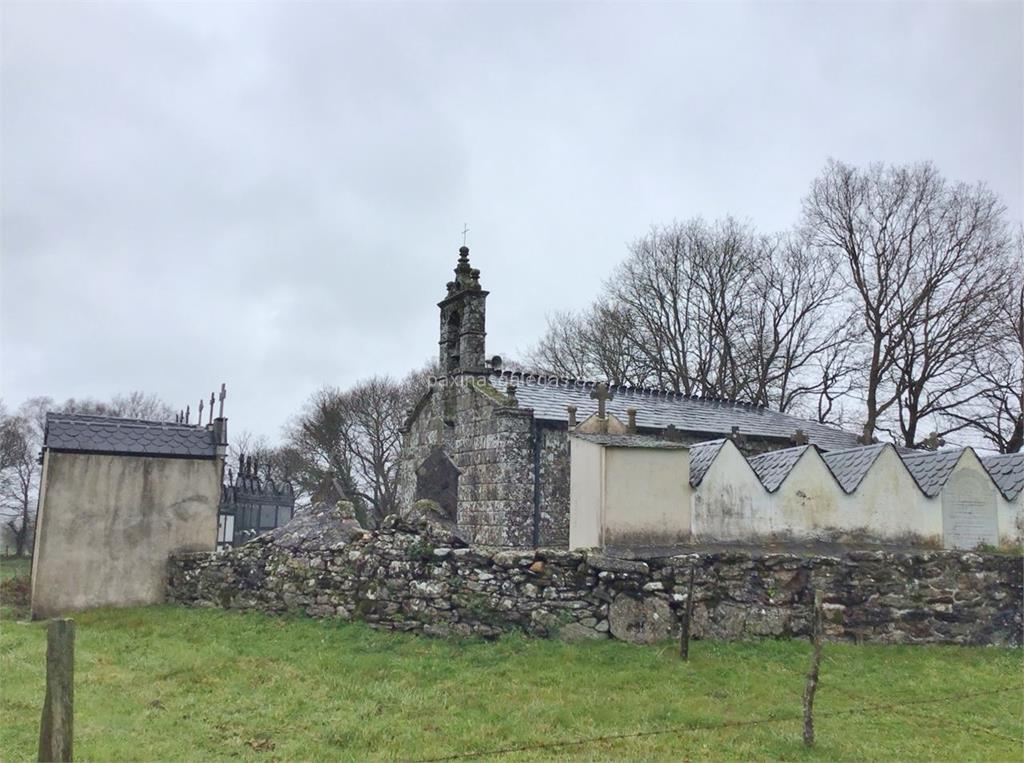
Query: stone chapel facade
pixel 492 446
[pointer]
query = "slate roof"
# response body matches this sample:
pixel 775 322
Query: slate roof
pixel 773 467
pixel 702 455
pixel 849 466
pixel 1007 471
pixel 630 441
pixel 656 410
pixel 131 437
pixel 931 469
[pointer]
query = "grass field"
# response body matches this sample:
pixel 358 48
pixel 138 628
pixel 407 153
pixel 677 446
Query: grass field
pixel 14 566
pixel 165 683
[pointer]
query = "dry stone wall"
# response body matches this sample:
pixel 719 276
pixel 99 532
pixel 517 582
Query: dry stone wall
pixel 420 575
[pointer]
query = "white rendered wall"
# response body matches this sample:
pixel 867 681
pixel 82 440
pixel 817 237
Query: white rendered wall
pixel 586 493
pixel 1011 520
pixel 632 496
pixel 107 525
pixel 888 506
pixel 808 503
pixel 731 503
pixel 647 496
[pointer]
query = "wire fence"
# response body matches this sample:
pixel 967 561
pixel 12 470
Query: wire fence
pixel 714 726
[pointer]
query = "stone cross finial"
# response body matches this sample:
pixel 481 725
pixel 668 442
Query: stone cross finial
pixel 510 390
pixel 934 442
pixel 602 394
pixel 672 434
pixel 631 421
pixel 572 415
pixel 799 437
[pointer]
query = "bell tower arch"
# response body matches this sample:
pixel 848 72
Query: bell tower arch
pixel 463 313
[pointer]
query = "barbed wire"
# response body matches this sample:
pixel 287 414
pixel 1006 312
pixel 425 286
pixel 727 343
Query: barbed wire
pixel 901 709
pixel 950 698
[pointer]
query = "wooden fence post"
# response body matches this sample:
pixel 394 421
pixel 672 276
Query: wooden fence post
pixel 817 625
pixel 684 630
pixel 55 728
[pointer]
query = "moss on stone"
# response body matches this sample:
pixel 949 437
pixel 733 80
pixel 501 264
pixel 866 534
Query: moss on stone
pixel 486 389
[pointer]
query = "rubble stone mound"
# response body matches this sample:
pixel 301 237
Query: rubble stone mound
pixel 427 518
pixel 321 526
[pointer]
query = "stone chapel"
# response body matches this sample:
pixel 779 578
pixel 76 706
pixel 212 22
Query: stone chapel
pixel 491 446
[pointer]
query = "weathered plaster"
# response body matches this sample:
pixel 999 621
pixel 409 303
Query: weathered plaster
pixel 107 525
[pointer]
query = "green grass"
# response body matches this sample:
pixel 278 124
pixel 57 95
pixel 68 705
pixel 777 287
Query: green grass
pixel 166 683
pixel 14 567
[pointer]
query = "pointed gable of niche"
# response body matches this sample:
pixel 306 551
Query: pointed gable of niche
pixel 772 468
pixel 849 466
pixel 702 455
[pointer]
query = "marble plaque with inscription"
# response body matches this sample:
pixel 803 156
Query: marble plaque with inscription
pixel 968 511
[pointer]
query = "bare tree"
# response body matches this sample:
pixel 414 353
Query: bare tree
pixel 354 436
pixel 133 405
pixel 838 378
pixel 19 476
pixel 920 257
pixel 140 405
pixel 599 343
pixel 713 310
pixel 277 463
pixel 788 333
pixel 375 411
pixel 317 436
pixel 996 412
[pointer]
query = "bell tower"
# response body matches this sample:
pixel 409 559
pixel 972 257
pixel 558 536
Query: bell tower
pixel 462 320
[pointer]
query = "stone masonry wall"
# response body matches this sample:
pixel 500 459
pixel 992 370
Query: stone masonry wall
pixel 554 485
pixel 490 442
pixel 420 576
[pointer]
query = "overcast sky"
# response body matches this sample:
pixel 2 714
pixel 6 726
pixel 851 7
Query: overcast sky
pixel 272 195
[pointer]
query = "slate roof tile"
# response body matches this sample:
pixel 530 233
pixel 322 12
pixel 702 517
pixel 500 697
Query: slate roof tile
pixel 849 466
pixel 630 441
pixel 931 469
pixel 1007 471
pixel 772 468
pixel 107 434
pixel 656 410
pixel 702 455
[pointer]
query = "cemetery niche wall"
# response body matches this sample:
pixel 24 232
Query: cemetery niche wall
pixel 117 497
pixel 864 495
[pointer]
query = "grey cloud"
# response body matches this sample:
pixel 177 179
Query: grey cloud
pixel 271 194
